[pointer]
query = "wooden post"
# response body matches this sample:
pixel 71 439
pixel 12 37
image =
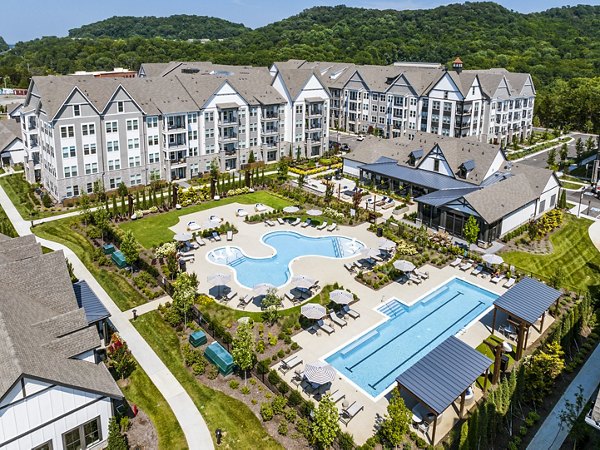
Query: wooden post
pixel 519 343
pixel 485 382
pixel 494 321
pixel 462 403
pixel 542 322
pixel 434 429
pixel 526 339
pixel 497 363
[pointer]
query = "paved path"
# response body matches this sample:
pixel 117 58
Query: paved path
pixel 194 427
pixel 147 307
pixel 594 231
pixel 552 433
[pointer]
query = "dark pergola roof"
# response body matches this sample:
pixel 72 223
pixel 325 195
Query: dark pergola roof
pixel 89 301
pixel 440 198
pixel 442 375
pixel 528 300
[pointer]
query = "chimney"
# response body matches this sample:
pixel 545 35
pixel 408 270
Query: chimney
pixel 457 65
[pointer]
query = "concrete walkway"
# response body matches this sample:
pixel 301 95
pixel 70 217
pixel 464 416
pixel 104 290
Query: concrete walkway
pixel 552 433
pixel 194 427
pixel 594 231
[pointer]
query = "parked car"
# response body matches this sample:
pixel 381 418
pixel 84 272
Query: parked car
pixel 360 137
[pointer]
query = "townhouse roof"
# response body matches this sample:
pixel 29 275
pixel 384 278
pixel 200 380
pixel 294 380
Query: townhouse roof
pixel 528 300
pixel 296 79
pixel 89 301
pixel 10 130
pixel 41 326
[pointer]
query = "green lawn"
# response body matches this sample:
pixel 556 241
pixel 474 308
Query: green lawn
pixel 154 230
pixel 242 428
pixel 119 289
pixel 569 185
pixel 18 190
pixel 487 351
pixel 6 226
pixel 142 392
pixel 574 252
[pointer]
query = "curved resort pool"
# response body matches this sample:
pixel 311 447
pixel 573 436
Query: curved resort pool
pixel 288 245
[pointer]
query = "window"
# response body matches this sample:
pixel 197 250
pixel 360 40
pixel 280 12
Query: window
pixel 473 90
pixel 209 116
pixel 76 110
pixel 67 131
pixel 91 168
pixel 114 183
pixel 132 124
pixel 153 157
pixel 445 95
pixel 114 164
pixel 382 109
pixel 89 188
pixel 153 140
pixel 70 171
pixel 133 144
pixel 112 146
pixel 375 96
pixel 120 106
pixel 542 206
pixel 413 101
pixel 135 179
pixel 299 109
pixel 44 446
pixel 436 165
pixel 192 118
pixel 88 129
pixel 72 191
pixel 553 201
pixel 68 152
pixel 209 133
pixel 152 122
pixel 111 127
pixel 134 161
pixel 192 135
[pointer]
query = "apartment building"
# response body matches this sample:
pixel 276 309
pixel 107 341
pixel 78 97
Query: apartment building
pixel 495 105
pixel 170 123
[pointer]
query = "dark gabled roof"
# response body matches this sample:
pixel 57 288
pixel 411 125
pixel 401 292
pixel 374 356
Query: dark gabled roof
pixel 443 374
pixel 529 299
pixel 424 178
pixel 418 153
pixel 468 165
pixel 89 301
pixel 440 198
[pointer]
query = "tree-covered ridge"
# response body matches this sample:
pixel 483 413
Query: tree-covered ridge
pixel 173 27
pixel 3 44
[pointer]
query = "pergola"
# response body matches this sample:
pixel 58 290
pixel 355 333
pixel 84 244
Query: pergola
pixel 443 375
pixel 525 303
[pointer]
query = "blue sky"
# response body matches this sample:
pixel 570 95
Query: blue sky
pixel 23 20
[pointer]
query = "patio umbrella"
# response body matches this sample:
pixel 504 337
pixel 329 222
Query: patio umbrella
pixel 313 311
pixel 404 266
pixel 219 279
pixel 261 289
pixel 182 237
pixel 211 224
pixel 314 212
pixel 303 282
pixel 341 297
pixel 492 259
pixel 387 245
pixel 319 373
pixel 291 209
pixel 370 253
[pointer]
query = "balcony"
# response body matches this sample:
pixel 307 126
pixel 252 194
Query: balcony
pixel 270 131
pixel 229 137
pixel 177 144
pixel 270 115
pixel 175 123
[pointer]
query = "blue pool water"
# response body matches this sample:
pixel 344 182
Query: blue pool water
pixel 375 359
pixel 288 245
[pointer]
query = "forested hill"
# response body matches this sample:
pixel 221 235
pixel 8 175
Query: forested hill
pixel 173 27
pixel 3 44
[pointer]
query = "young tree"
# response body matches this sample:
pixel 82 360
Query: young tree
pixel 397 420
pixel 99 191
pixel 243 348
pixel 551 161
pixel 589 144
pixel 119 357
pixel 86 212
pixel 144 203
pixel 122 190
pixel 271 304
pixel 130 248
pixel 579 148
pixel 251 157
pixel 325 426
pixel 543 367
pixel 185 293
pixel 72 275
pixel 101 219
pixel 564 152
pixel 301 180
pixel 328 191
pixel 471 230
pixel 116 440
pixel 115 210
pixel 356 199
pixel 562 202
pixel 282 170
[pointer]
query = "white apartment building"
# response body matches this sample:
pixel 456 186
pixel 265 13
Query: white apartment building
pixel 170 123
pixel 494 105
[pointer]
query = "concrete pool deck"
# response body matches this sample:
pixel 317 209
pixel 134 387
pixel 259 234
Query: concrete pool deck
pixel 315 346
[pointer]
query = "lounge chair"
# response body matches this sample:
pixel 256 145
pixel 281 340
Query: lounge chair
pixel 193 226
pixel 349 267
pixel 244 301
pixel 336 396
pixel 241 212
pixel 281 221
pixel 322 226
pixel 509 282
pixel 498 278
pixel 270 223
pixel 231 295
pixel 466 266
pixel 298 377
pixel 350 412
pixel 259 207
pixel 200 241
pixel 456 262
pixel 306 223
pixel 295 222
pixel 216 236
pixel 335 319
pixel 422 275
pixel 349 311
pixel 187 257
pixel 323 326
pixel 477 270
pixel 289 363
pixel 229 235
pixel 332 227
pixel 358 265
pixel 290 297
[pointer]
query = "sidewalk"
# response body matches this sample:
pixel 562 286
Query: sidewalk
pixel 552 433
pixel 194 427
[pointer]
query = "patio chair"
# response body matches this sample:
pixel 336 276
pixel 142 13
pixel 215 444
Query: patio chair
pixel 289 363
pixel 241 212
pixel 291 297
pixel 231 295
pixel 466 266
pixel 229 235
pixel 322 226
pixel 509 282
pixel 498 278
pixel 422 275
pixel 349 311
pixel 298 378
pixel 332 227
pixel 335 319
pixel 295 222
pixel 456 262
pixel 281 221
pixel 477 270
pixel 349 267
pixel 423 427
pixel 259 207
pixel 200 241
pixel 358 265
pixel 270 223
pixel 216 236
pixel 337 396
pixel 187 257
pixel 244 301
pixel 326 328
pixel 415 279
pixel 306 223
pixel 350 412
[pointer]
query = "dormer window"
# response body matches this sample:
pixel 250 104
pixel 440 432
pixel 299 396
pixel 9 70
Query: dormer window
pixel 414 156
pixel 76 110
pixel 466 168
pixel 436 165
pixel 120 107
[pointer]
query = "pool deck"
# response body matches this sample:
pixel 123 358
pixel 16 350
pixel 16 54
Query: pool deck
pixel 316 345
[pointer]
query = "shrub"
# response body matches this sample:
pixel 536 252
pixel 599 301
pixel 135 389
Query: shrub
pixel 280 353
pixel 282 429
pixel 283 387
pixel 245 390
pixel 523 430
pixel 260 346
pixel 295 398
pixel 263 366
pixel 234 384
pixel 294 346
pixel 278 404
pixel 290 415
pixel 303 427
pixel 266 412
pixel 199 367
pixel 345 441
pixel 274 378
pixel 212 372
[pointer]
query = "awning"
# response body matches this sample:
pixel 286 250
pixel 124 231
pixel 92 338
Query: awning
pixel 229 105
pixel 314 100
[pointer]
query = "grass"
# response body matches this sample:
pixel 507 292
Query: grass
pixel 242 428
pixel 154 230
pixel 569 185
pixel 570 178
pixel 119 289
pixel 19 192
pixel 142 392
pixel 6 226
pixel 574 253
pixel 487 351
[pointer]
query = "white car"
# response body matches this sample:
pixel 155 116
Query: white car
pixel 360 137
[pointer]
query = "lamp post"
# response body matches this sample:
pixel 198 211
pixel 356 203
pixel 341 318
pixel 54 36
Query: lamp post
pixel 219 435
pixel 580 201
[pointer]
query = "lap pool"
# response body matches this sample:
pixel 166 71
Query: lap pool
pixel 375 359
pixel 288 245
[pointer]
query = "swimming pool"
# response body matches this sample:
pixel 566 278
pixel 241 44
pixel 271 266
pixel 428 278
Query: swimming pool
pixel 375 359
pixel 288 246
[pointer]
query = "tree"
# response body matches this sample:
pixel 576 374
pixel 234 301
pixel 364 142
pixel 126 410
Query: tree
pixel 119 357
pixel 328 191
pixel 115 210
pixel 243 348
pixel 99 191
pixel 85 204
pixel 184 293
pixel 562 202
pixel 557 278
pixel 116 439
pixel 570 413
pixel 543 367
pixel 579 148
pixel 130 248
pixel 72 275
pixel 101 219
pixel 282 170
pixel 564 152
pixel 356 199
pixel 325 426
pixel 122 190
pixel 251 157
pixel 271 304
pixel 471 230
pixel 589 144
pixel 397 420
pixel 301 180
pixel 551 161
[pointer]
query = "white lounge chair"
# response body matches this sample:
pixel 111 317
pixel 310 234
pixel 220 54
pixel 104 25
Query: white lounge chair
pixel 270 223
pixel 259 207
pixel 349 311
pixel 306 223
pixel 296 222
pixel 290 297
pixel 216 236
pixel 244 301
pixel 322 226
pixel 231 295
pixel 281 221
pixel 456 262
pixel 241 212
pixel 289 363
pixel 477 270
pixel 498 278
pixel 349 267
pixel 200 241
pixel 466 266
pixel 323 326
pixel 337 320
pixel 422 275
pixel 350 412
pixel 509 282
pixel 332 227
pixel 229 235
pixel 337 396
pixel 193 226
pixel 358 265
pixel 415 279
pixel 187 257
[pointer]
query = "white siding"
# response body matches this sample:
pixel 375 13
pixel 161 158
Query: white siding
pixel 351 167
pixel 551 189
pixel 518 217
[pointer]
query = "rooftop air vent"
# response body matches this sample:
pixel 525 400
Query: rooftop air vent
pixel 190 70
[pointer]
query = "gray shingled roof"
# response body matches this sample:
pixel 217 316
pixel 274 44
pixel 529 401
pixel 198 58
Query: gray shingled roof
pixel 42 327
pixel 9 131
pixel 442 375
pixel 529 299
pixel 89 301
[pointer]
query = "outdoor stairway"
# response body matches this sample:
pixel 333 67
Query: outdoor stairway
pixel 337 249
pixel 393 309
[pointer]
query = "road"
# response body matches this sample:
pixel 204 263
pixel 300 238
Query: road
pixel 540 160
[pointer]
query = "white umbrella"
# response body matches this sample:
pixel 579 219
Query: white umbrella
pixel 303 282
pixel 211 224
pixel 291 209
pixel 261 289
pixel 313 311
pixel 319 373
pixel 314 212
pixel 182 237
pixel 492 259
pixel 404 266
pixel 369 253
pixel 387 245
pixel 219 279
pixel 341 297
